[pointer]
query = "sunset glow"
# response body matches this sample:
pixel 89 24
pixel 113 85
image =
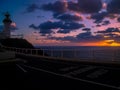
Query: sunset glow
pixel 108 43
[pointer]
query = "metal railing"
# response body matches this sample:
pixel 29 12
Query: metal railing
pixel 17 36
pixel 75 54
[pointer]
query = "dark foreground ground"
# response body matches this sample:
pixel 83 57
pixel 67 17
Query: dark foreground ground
pixel 48 75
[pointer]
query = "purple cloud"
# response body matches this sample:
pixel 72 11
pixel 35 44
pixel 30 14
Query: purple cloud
pixel 47 27
pixel 56 7
pixel 68 17
pixel 90 6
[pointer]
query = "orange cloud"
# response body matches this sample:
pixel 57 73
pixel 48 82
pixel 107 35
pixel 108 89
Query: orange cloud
pixel 109 43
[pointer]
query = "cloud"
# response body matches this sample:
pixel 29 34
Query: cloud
pixel 68 17
pixel 86 29
pixel 64 31
pixel 89 37
pixel 56 7
pixel 84 6
pixel 47 27
pixel 109 31
pixel 111 34
pixel 33 26
pixel 90 6
pixel 114 6
pixel 106 22
pixel 98 17
pixel 66 38
pixel 31 8
pixel 73 6
pixel 118 19
pixel 82 37
pixel 112 16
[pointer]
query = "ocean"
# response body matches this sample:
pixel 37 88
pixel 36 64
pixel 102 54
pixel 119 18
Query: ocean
pixel 83 52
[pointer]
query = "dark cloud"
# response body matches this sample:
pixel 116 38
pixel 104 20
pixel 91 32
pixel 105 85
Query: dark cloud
pixel 84 6
pixel 73 6
pixel 89 37
pixel 47 27
pixel 98 17
pixel 90 6
pixel 112 16
pixel 82 37
pixel 106 22
pixel 65 31
pixel 56 7
pixel 118 19
pixel 109 31
pixel 114 6
pixel 98 25
pixel 111 35
pixel 68 17
pixel 32 8
pixel 117 39
pixel 33 26
pixel 50 25
pixel 86 29
pixel 67 38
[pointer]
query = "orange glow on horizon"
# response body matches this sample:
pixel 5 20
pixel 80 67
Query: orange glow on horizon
pixel 103 43
pixel 108 43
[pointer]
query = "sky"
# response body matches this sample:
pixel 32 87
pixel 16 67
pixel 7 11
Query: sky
pixel 64 22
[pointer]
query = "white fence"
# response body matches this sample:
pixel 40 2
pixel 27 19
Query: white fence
pixel 94 55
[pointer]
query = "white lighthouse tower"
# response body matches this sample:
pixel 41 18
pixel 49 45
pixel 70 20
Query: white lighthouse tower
pixel 7 22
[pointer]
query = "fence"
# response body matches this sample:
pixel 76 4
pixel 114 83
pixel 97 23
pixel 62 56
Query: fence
pixel 94 55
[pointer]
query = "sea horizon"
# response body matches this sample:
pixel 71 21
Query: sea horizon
pixel 83 52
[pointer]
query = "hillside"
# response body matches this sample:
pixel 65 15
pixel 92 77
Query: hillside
pixel 18 43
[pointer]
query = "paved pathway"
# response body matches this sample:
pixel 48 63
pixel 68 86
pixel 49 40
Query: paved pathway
pixel 103 76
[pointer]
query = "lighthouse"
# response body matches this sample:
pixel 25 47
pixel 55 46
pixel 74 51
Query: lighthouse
pixel 7 22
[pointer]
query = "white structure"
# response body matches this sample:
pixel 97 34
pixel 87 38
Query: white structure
pixel 6 30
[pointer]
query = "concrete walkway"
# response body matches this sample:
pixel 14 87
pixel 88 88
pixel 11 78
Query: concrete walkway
pixel 6 55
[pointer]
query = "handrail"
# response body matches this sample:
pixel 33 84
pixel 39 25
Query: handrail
pixel 99 55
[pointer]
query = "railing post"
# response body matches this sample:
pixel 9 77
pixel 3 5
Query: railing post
pixel 61 53
pixel 36 51
pixel 93 54
pixel 113 57
pixel 22 50
pixel 51 53
pixel 30 51
pixel 74 53
pixel 43 52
